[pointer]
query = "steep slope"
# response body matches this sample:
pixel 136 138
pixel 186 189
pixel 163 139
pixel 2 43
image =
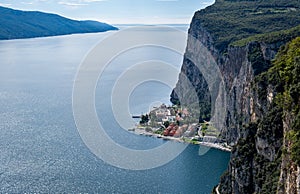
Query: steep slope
pixel 266 157
pixel 231 20
pixel 244 37
pixel 28 24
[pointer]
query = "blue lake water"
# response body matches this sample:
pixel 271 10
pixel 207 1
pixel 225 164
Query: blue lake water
pixel 41 149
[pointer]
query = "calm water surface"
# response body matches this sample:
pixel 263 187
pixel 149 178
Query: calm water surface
pixel 41 150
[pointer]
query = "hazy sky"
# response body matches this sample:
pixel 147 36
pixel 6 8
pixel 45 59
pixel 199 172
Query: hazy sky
pixel 117 11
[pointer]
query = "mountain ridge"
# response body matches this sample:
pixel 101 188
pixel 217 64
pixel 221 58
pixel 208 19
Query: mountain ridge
pixel 16 24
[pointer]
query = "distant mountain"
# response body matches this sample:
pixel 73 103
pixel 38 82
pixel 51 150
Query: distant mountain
pixel 15 24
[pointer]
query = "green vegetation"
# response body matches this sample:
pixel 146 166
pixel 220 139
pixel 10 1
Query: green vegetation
pixel 287 65
pixel 271 126
pixel 144 119
pixel 166 124
pixel 295 149
pixel 229 21
pixel 212 131
pixel 268 176
pixel 160 131
pixel 249 161
pixel 255 56
pixel 191 141
pixel 245 150
pixel 203 129
pixel 245 147
pixel 284 76
pixel 236 23
pixel 205 111
pixel 250 22
pixel 271 37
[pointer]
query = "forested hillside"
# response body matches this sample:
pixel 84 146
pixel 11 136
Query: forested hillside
pixel 28 24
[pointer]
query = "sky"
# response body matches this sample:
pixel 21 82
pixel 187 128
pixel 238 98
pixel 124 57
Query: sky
pixel 117 11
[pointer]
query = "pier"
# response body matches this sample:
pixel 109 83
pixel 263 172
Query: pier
pixel 136 117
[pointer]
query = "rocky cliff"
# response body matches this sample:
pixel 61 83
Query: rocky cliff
pixel 257 123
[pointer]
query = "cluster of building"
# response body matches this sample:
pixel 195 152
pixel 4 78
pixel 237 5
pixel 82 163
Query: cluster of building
pixel 175 123
pixel 181 131
pixel 169 119
pixel 168 114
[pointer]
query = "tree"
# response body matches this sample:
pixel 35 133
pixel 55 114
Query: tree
pixel 144 119
pixel 166 124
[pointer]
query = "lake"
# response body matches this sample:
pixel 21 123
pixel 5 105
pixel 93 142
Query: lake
pixel 41 149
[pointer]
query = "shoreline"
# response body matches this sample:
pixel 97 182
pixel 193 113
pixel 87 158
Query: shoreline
pixel 181 140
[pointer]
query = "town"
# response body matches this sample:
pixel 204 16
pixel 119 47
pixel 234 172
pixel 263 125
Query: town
pixel 179 124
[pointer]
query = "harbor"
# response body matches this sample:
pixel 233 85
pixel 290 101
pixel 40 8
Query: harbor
pixel 173 123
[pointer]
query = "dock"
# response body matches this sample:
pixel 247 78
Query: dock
pixel 136 117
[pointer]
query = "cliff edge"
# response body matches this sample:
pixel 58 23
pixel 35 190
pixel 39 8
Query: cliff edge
pixel 247 41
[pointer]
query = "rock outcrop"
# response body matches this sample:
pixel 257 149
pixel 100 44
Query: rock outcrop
pixel 254 124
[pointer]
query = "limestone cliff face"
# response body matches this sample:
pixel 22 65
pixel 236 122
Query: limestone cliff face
pixel 289 181
pixel 252 124
pixel 237 73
